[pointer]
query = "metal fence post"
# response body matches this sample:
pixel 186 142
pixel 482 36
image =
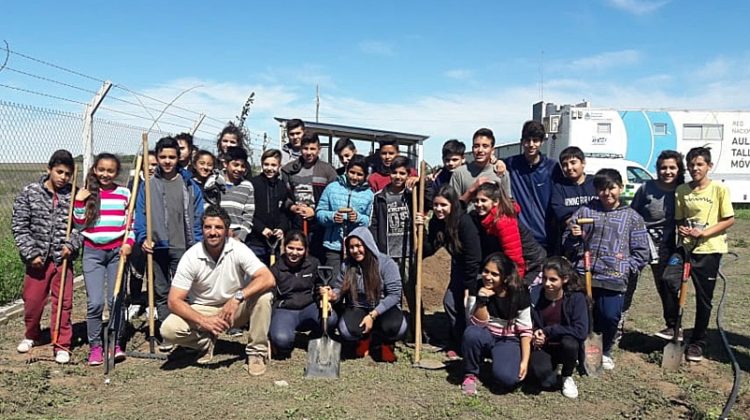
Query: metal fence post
pixel 88 124
pixel 197 124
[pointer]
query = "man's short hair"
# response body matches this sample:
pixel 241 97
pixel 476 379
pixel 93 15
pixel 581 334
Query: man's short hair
pixel 187 137
pixel 216 211
pixel 484 132
pixel 695 152
pixel 343 143
pixel 294 123
pixel 310 138
pixel 61 157
pixel 533 130
pixel 271 153
pixel 235 153
pixel 387 140
pixel 572 152
pixel 453 147
pixel 401 162
pixel 166 143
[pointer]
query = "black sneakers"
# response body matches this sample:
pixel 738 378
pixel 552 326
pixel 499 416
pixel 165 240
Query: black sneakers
pixel 694 353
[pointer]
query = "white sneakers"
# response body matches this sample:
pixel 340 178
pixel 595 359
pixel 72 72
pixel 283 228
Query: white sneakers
pixel 608 363
pixel 62 357
pixel 569 388
pixel 133 312
pixel 25 345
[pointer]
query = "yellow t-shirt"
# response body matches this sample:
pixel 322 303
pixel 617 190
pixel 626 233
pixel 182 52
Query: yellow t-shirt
pixel 705 208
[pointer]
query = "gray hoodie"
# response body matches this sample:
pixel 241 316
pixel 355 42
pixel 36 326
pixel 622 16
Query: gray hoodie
pixel 390 295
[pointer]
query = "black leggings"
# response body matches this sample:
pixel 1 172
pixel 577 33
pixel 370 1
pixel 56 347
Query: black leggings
pixel 543 361
pixel 389 326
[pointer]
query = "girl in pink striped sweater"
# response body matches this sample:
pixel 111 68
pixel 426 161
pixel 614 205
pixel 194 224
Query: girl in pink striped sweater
pixel 100 211
pixel 501 327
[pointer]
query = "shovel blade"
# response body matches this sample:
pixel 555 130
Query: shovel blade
pixel 323 358
pixel 592 361
pixel 672 357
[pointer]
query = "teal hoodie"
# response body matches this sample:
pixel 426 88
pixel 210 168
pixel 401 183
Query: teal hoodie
pixel 337 195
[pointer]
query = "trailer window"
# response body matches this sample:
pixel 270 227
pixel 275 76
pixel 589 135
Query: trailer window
pixel 703 131
pixel 660 129
pixel 637 175
pixel 603 128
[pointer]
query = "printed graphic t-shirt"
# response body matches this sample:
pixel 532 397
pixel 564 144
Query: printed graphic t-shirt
pixel 176 212
pixel 705 208
pixel 398 216
pixel 303 190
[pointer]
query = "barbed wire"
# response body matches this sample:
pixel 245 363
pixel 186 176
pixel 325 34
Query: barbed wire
pixel 47 63
pixel 33 92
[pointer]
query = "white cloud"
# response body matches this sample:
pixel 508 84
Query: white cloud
pixel 459 74
pixel 605 60
pixel 638 7
pixel 454 114
pixel 376 48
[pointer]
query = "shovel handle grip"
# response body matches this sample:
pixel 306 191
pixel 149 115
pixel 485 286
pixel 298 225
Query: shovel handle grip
pixel 684 284
pixel 584 221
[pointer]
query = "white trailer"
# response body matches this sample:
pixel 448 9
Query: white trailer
pixel 640 135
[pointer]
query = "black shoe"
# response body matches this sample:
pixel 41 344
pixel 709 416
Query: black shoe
pixel 694 353
pixel 668 334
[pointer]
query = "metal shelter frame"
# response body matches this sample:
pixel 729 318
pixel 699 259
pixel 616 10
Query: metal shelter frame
pixel 410 143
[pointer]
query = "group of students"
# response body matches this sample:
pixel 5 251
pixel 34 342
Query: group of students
pixel 515 289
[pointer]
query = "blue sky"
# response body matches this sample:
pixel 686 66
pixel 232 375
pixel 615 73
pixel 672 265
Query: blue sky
pixel 437 68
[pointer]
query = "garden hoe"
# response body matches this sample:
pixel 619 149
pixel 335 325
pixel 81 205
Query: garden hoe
pixel 673 351
pixel 117 311
pixel 429 364
pixel 324 354
pixel 152 354
pixel 63 279
pixel 592 346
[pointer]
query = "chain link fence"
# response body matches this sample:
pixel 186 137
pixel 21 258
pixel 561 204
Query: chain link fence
pixel 29 135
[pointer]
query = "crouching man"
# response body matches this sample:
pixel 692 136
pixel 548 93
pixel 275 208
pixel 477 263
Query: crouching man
pixel 228 286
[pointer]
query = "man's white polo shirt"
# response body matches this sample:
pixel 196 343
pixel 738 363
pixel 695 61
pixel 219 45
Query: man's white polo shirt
pixel 210 282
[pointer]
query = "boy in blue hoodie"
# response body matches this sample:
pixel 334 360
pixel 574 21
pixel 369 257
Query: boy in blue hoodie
pixel 570 193
pixel 176 211
pixel 617 242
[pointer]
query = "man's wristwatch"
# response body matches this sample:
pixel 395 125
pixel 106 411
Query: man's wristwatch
pixel 239 296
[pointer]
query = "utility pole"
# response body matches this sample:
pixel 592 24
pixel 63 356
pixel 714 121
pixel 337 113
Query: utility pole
pixel 317 102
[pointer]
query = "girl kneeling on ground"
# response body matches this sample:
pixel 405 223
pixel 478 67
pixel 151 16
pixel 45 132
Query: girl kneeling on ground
pixel 560 318
pixel 294 306
pixel 370 286
pixel 501 326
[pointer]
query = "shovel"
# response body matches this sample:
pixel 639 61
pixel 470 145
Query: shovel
pixel 273 243
pixel 592 362
pixel 429 364
pixel 324 354
pixel 673 351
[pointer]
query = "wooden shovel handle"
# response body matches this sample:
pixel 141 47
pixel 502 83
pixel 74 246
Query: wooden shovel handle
pixel 684 285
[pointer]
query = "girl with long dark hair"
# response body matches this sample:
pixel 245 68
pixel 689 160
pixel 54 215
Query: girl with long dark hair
pixel 100 210
pixel 369 286
pixel 452 228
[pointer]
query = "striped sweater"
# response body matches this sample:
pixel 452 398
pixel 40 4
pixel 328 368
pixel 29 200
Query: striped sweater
pixel 503 324
pixel 239 202
pixel 108 230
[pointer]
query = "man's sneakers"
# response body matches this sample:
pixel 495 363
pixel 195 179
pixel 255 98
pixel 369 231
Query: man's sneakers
pixel 694 353
pixel 569 387
pixel 25 345
pixel 469 385
pixel 96 356
pixel 208 353
pixel 607 362
pixel 668 334
pixel 62 357
pixel 256 365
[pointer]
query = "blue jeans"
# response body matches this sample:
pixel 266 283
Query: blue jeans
pixel 286 322
pixel 607 312
pixel 99 271
pixel 453 303
pixel 504 351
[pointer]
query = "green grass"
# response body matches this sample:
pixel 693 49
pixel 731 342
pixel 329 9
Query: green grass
pixel 742 213
pixel 11 274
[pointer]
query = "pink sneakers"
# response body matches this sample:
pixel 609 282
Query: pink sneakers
pixel 469 385
pixel 96 356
